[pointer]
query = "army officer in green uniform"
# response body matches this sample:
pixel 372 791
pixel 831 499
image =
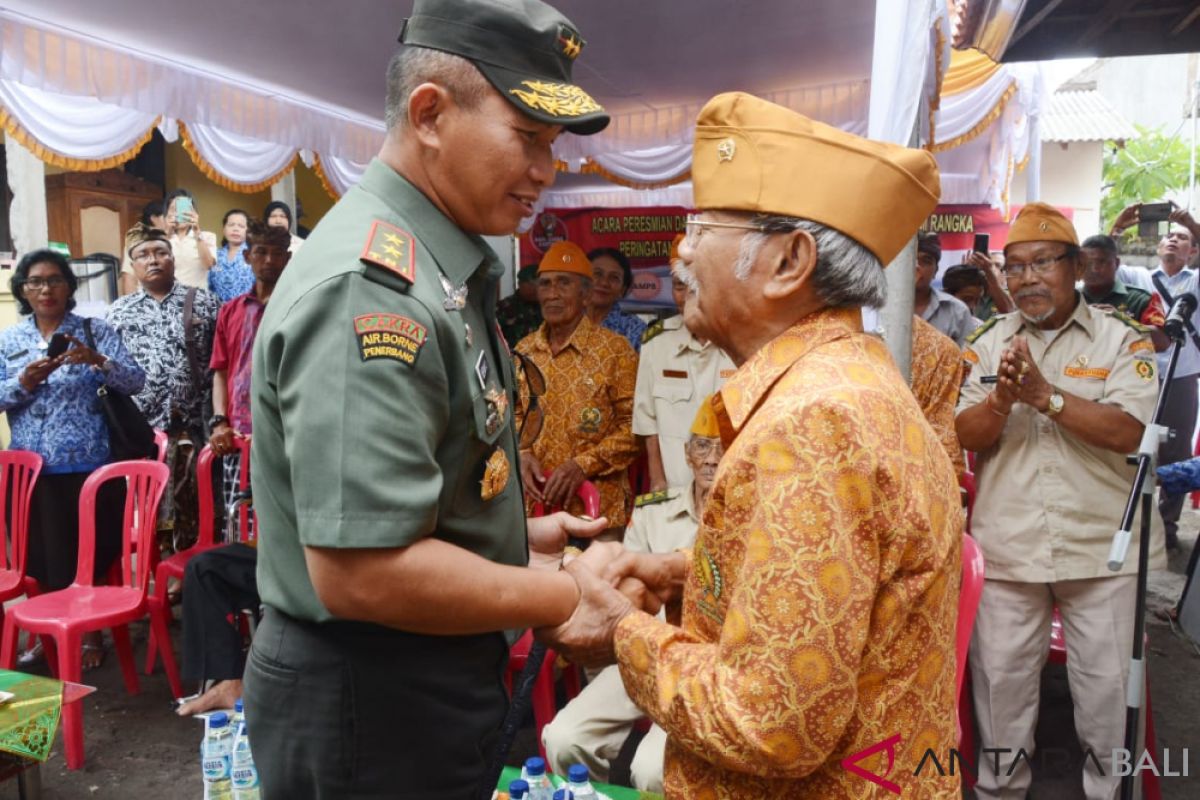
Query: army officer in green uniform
pixel 392 544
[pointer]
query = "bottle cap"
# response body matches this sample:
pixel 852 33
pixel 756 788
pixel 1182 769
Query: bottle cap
pixel 564 794
pixel 237 706
pixel 535 765
pixel 218 720
pixel 577 773
pixel 517 789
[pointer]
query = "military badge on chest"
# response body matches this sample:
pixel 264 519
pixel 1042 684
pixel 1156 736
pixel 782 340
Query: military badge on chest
pixel 497 410
pixel 495 474
pixel 708 575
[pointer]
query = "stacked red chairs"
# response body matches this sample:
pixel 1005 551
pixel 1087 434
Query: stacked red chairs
pixel 19 470
pixel 62 617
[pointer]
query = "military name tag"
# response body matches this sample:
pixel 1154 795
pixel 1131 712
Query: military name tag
pixel 674 373
pixel 482 370
pixel 389 336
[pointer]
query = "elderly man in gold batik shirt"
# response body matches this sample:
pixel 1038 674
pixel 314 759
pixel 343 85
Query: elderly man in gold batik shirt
pixel 937 373
pixel 820 599
pixel 587 406
pixel 1075 387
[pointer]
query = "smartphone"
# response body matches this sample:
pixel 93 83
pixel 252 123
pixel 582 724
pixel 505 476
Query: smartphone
pixel 1155 212
pixel 184 207
pixel 58 345
pixel 982 243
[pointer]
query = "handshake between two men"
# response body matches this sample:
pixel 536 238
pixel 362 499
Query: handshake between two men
pixel 612 581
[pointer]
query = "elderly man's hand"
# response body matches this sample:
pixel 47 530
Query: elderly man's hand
pixel 531 475
pixel 662 574
pixel 562 484
pixel 1019 374
pixel 548 536
pixel 586 638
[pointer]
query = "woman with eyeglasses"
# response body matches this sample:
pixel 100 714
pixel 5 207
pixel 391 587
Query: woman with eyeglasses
pixel 53 410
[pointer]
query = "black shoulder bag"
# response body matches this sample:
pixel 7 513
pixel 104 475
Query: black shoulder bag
pixel 130 436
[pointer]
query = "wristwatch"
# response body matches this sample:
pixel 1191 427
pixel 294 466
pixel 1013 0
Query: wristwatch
pixel 1055 406
pixel 217 419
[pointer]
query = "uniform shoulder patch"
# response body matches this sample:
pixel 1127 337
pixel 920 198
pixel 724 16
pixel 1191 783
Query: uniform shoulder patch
pixel 391 248
pixel 652 330
pixel 1124 318
pixel 974 335
pixel 389 336
pixel 651 498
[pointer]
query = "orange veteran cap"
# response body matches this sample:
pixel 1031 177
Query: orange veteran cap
pixel 566 257
pixel 705 423
pixel 752 155
pixel 675 250
pixel 1039 222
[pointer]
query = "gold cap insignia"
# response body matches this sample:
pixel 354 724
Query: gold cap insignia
pixel 1044 226
pixel 726 150
pixel 570 43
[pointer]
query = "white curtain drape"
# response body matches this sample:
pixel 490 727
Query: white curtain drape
pixel 653 165
pixel 74 127
pixel 342 173
pixel 904 65
pixel 64 62
pixel 240 159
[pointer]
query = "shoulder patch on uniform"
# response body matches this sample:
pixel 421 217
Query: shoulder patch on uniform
pixel 1121 316
pixel 391 248
pixel 652 330
pixel 970 355
pixel 974 335
pixel 651 498
pixel 1144 369
pixel 389 336
pixel 1142 345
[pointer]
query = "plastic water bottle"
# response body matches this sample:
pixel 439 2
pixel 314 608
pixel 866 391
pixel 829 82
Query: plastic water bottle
pixel 518 790
pixel 564 794
pixel 578 783
pixel 534 773
pixel 243 774
pixel 215 753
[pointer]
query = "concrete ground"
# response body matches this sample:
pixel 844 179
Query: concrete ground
pixel 137 748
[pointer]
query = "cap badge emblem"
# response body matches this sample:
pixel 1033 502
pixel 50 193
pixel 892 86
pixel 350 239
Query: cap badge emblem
pixel 570 43
pixel 1045 226
pixel 726 150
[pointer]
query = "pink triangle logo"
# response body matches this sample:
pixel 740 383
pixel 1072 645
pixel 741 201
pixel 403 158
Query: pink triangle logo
pixel 850 763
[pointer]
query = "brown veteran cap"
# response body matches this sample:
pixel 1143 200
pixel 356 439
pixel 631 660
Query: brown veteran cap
pixel 525 49
pixel 566 257
pixel 141 232
pixel 1039 222
pixel 751 155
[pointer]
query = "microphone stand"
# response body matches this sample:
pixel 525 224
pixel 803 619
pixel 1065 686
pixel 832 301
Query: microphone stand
pixel 1147 457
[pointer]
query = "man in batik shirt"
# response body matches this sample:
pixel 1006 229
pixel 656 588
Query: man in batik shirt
pixel 590 373
pixel 937 372
pixel 821 597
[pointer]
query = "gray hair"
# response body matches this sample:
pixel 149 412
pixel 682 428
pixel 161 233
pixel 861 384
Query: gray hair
pixel 848 275
pixel 412 66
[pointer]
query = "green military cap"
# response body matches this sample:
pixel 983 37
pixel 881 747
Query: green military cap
pixel 527 273
pixel 524 48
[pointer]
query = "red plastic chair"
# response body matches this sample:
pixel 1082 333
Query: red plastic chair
pixel 61 618
pixel 161 441
pixel 173 566
pixel 19 471
pixel 544 706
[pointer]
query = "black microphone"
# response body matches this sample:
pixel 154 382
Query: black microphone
pixel 1181 312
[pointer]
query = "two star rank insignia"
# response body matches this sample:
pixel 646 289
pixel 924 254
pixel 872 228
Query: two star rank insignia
pixel 391 248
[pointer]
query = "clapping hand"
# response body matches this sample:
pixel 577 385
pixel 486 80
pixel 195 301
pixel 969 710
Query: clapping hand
pixel 1020 380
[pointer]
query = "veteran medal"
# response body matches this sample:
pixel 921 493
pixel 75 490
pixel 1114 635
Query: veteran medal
pixel 495 474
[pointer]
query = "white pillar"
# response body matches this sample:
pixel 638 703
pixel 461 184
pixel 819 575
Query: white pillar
pixel 27 213
pixel 285 189
pixel 1033 171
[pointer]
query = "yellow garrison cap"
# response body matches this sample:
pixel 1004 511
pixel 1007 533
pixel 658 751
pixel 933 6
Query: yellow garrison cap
pixel 675 249
pixel 141 232
pixel 751 155
pixel 1039 222
pixel 566 257
pixel 705 423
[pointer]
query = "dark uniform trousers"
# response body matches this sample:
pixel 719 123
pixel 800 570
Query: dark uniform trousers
pixel 217 585
pixel 1179 415
pixel 418 716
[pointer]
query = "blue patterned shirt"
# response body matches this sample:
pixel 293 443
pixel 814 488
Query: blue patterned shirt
pixel 230 278
pixel 61 419
pixel 627 325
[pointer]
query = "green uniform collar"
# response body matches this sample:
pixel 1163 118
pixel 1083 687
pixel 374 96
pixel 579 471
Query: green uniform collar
pixel 1118 290
pixel 458 254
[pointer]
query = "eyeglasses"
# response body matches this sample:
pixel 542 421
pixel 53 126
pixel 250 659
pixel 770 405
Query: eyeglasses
pixel 147 255
pixel 693 225
pixel 1040 266
pixel 37 284
pixel 702 447
pixel 534 383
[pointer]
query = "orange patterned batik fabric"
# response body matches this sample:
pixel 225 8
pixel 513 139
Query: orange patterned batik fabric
pixel 819 614
pixel 937 373
pixel 587 410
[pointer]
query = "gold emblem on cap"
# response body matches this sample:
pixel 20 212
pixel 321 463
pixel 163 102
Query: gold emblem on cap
pixel 556 99
pixel 571 45
pixel 726 150
pixel 1044 226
